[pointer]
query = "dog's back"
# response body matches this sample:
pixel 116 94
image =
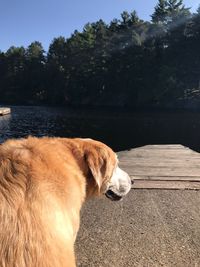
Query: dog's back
pixel 35 230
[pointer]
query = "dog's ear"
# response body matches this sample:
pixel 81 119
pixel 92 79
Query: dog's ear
pixel 97 162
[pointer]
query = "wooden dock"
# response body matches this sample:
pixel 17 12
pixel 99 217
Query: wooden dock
pixel 149 228
pixel 162 167
pixel 4 111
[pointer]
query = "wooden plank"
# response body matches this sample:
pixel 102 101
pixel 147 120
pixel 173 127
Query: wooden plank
pixel 162 167
pixel 4 111
pixel 164 146
pixel 164 160
pixel 164 156
pixel 161 164
pixel 156 149
pixel 165 171
pixel 157 146
pixel 166 178
pixel 159 157
pixel 181 185
pixel 172 153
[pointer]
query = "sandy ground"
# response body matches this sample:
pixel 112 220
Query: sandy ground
pixel 149 228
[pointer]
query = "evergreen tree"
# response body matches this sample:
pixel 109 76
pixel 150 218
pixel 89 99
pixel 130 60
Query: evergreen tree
pixel 129 62
pixel 34 86
pixel 177 12
pixel 198 10
pixel 125 18
pixel 160 13
pixel 167 11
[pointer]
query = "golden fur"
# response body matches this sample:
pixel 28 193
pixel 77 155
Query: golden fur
pixel 43 184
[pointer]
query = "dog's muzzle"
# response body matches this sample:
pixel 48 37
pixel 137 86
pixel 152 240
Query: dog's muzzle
pixel 112 195
pixel 119 185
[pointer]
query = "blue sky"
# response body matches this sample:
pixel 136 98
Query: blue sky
pixel 24 21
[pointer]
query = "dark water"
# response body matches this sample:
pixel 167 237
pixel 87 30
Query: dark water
pixel 120 130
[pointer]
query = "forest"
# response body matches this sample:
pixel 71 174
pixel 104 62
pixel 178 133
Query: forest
pixel 128 63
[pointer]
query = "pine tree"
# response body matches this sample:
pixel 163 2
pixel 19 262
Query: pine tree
pixel 174 5
pixel 166 11
pixel 198 10
pixel 160 13
pixel 125 18
pixel 176 10
pixel 134 17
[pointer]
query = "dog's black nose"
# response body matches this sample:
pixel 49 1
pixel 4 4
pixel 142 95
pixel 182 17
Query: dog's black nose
pixel 132 182
pixel 112 195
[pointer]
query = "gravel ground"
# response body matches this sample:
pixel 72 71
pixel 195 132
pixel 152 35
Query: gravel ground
pixel 149 228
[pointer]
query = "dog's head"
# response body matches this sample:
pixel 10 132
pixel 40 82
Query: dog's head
pixel 104 176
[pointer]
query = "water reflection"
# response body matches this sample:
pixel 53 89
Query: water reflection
pixel 119 130
pixel 4 126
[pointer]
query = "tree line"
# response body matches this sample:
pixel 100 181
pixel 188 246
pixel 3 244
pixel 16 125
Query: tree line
pixel 127 63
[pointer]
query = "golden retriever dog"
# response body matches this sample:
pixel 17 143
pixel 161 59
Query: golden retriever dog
pixel 43 184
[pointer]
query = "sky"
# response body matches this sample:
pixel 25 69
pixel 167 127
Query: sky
pixel 25 21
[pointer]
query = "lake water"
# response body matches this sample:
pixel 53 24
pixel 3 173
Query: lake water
pixel 120 130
